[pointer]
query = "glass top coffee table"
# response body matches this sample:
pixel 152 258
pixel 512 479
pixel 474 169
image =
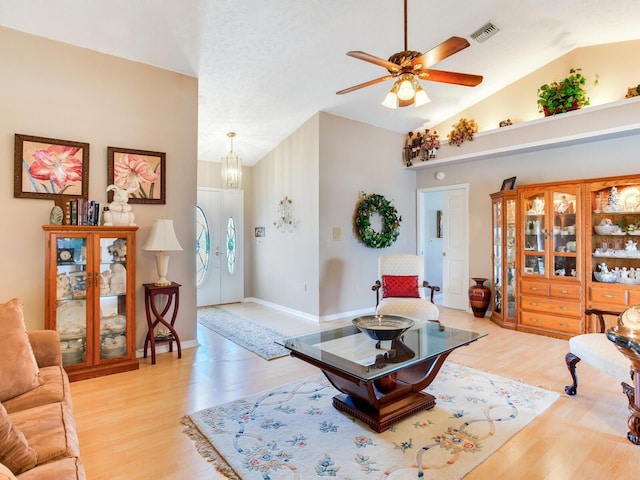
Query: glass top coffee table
pixel 381 383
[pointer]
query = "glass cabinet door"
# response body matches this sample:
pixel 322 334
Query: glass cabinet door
pixel 534 229
pixel 563 233
pixel 112 294
pixel 510 258
pixel 71 298
pixel 497 257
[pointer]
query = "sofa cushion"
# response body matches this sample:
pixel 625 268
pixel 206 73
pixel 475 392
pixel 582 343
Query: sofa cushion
pixel 50 430
pixel 67 468
pixel 400 286
pixel 54 388
pixel 15 452
pixel 17 362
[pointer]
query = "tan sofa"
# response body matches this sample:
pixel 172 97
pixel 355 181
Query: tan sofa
pixel 38 438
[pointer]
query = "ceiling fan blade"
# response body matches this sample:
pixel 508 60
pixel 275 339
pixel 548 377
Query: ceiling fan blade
pixel 365 84
pixel 392 67
pixel 439 53
pixel 466 79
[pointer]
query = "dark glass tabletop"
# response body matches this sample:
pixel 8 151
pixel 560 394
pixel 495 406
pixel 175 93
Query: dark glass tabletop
pixel 355 353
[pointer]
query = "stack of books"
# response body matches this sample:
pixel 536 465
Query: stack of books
pixel 83 212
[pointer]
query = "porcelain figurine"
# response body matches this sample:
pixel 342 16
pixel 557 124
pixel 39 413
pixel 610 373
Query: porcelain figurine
pixel 119 212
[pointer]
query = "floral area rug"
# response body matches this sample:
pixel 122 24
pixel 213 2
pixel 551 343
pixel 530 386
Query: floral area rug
pixel 293 431
pixel 257 338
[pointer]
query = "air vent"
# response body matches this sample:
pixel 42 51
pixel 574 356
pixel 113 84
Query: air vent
pixel 484 32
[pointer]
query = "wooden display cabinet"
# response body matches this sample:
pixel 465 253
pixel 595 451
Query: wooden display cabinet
pixel 503 282
pixel 611 250
pixel 90 297
pixel 550 259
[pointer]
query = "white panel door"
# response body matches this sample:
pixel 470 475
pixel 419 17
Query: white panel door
pixel 455 249
pixel 208 291
pixel 232 247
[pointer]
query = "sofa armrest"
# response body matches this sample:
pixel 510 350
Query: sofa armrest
pixel 6 474
pixel 46 347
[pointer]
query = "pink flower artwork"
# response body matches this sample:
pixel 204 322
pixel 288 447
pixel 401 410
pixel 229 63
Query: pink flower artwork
pixel 133 172
pixel 58 165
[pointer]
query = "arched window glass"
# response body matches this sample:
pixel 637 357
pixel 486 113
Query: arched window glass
pixel 203 246
pixel 231 245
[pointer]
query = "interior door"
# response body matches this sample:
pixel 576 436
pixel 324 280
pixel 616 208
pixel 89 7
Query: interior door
pixel 208 248
pixel 455 263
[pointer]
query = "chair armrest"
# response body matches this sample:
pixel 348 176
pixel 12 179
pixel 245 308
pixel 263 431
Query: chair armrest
pixel 46 347
pixel 433 288
pixel 600 314
pixel 376 288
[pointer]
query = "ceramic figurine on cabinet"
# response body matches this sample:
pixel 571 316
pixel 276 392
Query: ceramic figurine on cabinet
pixel 119 212
pixel 118 281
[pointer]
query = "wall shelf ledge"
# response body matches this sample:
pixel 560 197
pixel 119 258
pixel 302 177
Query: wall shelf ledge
pixel 589 124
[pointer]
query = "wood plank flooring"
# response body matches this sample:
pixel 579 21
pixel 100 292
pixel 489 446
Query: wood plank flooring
pixel 129 423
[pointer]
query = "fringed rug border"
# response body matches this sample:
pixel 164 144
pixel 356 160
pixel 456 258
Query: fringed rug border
pixel 206 450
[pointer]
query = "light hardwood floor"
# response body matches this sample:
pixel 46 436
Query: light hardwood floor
pixel 129 423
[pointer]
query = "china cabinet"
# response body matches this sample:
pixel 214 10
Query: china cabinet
pixel 550 259
pixel 90 297
pixel 503 212
pixel 613 231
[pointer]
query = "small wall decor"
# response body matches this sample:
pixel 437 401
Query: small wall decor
pixel 141 172
pixel 461 131
pixel 508 183
pixel 420 146
pixel 374 203
pixel 633 91
pixel 259 232
pixel 50 169
pixel 285 222
pixel 439 224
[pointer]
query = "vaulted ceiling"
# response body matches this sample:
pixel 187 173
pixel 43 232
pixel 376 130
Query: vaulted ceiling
pixel 265 67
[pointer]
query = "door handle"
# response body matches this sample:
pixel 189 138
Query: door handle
pixel 444 254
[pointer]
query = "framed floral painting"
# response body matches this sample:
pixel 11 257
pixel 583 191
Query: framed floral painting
pixel 140 172
pixel 50 169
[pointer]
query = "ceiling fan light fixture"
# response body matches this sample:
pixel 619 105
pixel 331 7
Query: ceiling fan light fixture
pixel 421 97
pixel 406 89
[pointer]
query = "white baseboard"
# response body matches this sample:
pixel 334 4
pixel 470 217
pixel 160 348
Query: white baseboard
pixel 315 318
pixel 164 348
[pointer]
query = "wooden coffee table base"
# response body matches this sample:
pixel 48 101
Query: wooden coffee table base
pixel 386 400
pixel 381 420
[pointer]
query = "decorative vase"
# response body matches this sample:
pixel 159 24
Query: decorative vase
pixel 479 297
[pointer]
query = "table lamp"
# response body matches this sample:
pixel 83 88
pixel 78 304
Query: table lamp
pixel 162 240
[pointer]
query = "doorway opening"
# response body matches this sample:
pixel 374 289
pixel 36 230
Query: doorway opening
pixel 443 241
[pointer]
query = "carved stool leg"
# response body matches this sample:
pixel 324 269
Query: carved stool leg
pixel 634 418
pixel 571 361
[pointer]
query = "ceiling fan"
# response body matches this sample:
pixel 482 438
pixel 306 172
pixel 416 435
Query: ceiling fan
pixel 408 64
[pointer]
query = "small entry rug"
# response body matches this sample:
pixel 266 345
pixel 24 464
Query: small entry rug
pixel 257 338
pixel 293 431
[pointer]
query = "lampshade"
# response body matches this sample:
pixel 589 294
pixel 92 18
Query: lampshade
pixel 231 168
pixel 391 100
pixel 421 97
pixel 162 238
pixel 405 88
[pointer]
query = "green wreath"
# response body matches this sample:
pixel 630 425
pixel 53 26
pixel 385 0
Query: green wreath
pixel 369 205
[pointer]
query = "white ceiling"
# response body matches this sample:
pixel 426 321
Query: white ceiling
pixel 265 67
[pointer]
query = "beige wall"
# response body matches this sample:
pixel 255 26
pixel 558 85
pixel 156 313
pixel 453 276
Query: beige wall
pixel 354 158
pixel 54 90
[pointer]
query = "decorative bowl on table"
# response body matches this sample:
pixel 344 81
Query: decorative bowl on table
pixel 383 327
pixel 605 229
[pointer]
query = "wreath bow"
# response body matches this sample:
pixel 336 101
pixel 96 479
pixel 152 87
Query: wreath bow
pixel 370 204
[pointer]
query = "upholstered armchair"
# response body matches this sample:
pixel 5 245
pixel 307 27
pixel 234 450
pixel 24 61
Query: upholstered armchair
pixel 401 280
pixel 598 351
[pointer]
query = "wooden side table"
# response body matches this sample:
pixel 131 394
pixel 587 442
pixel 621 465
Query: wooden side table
pixel 155 318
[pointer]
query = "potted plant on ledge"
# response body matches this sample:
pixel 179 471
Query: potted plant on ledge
pixel 560 97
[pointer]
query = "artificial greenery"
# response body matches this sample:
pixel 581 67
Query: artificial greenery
pixel 463 130
pixel 374 203
pixel 567 94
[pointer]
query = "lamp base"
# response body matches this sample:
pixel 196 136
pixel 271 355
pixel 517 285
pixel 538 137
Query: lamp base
pixel 162 264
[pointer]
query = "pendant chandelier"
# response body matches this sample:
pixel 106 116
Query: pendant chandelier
pixel 231 168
